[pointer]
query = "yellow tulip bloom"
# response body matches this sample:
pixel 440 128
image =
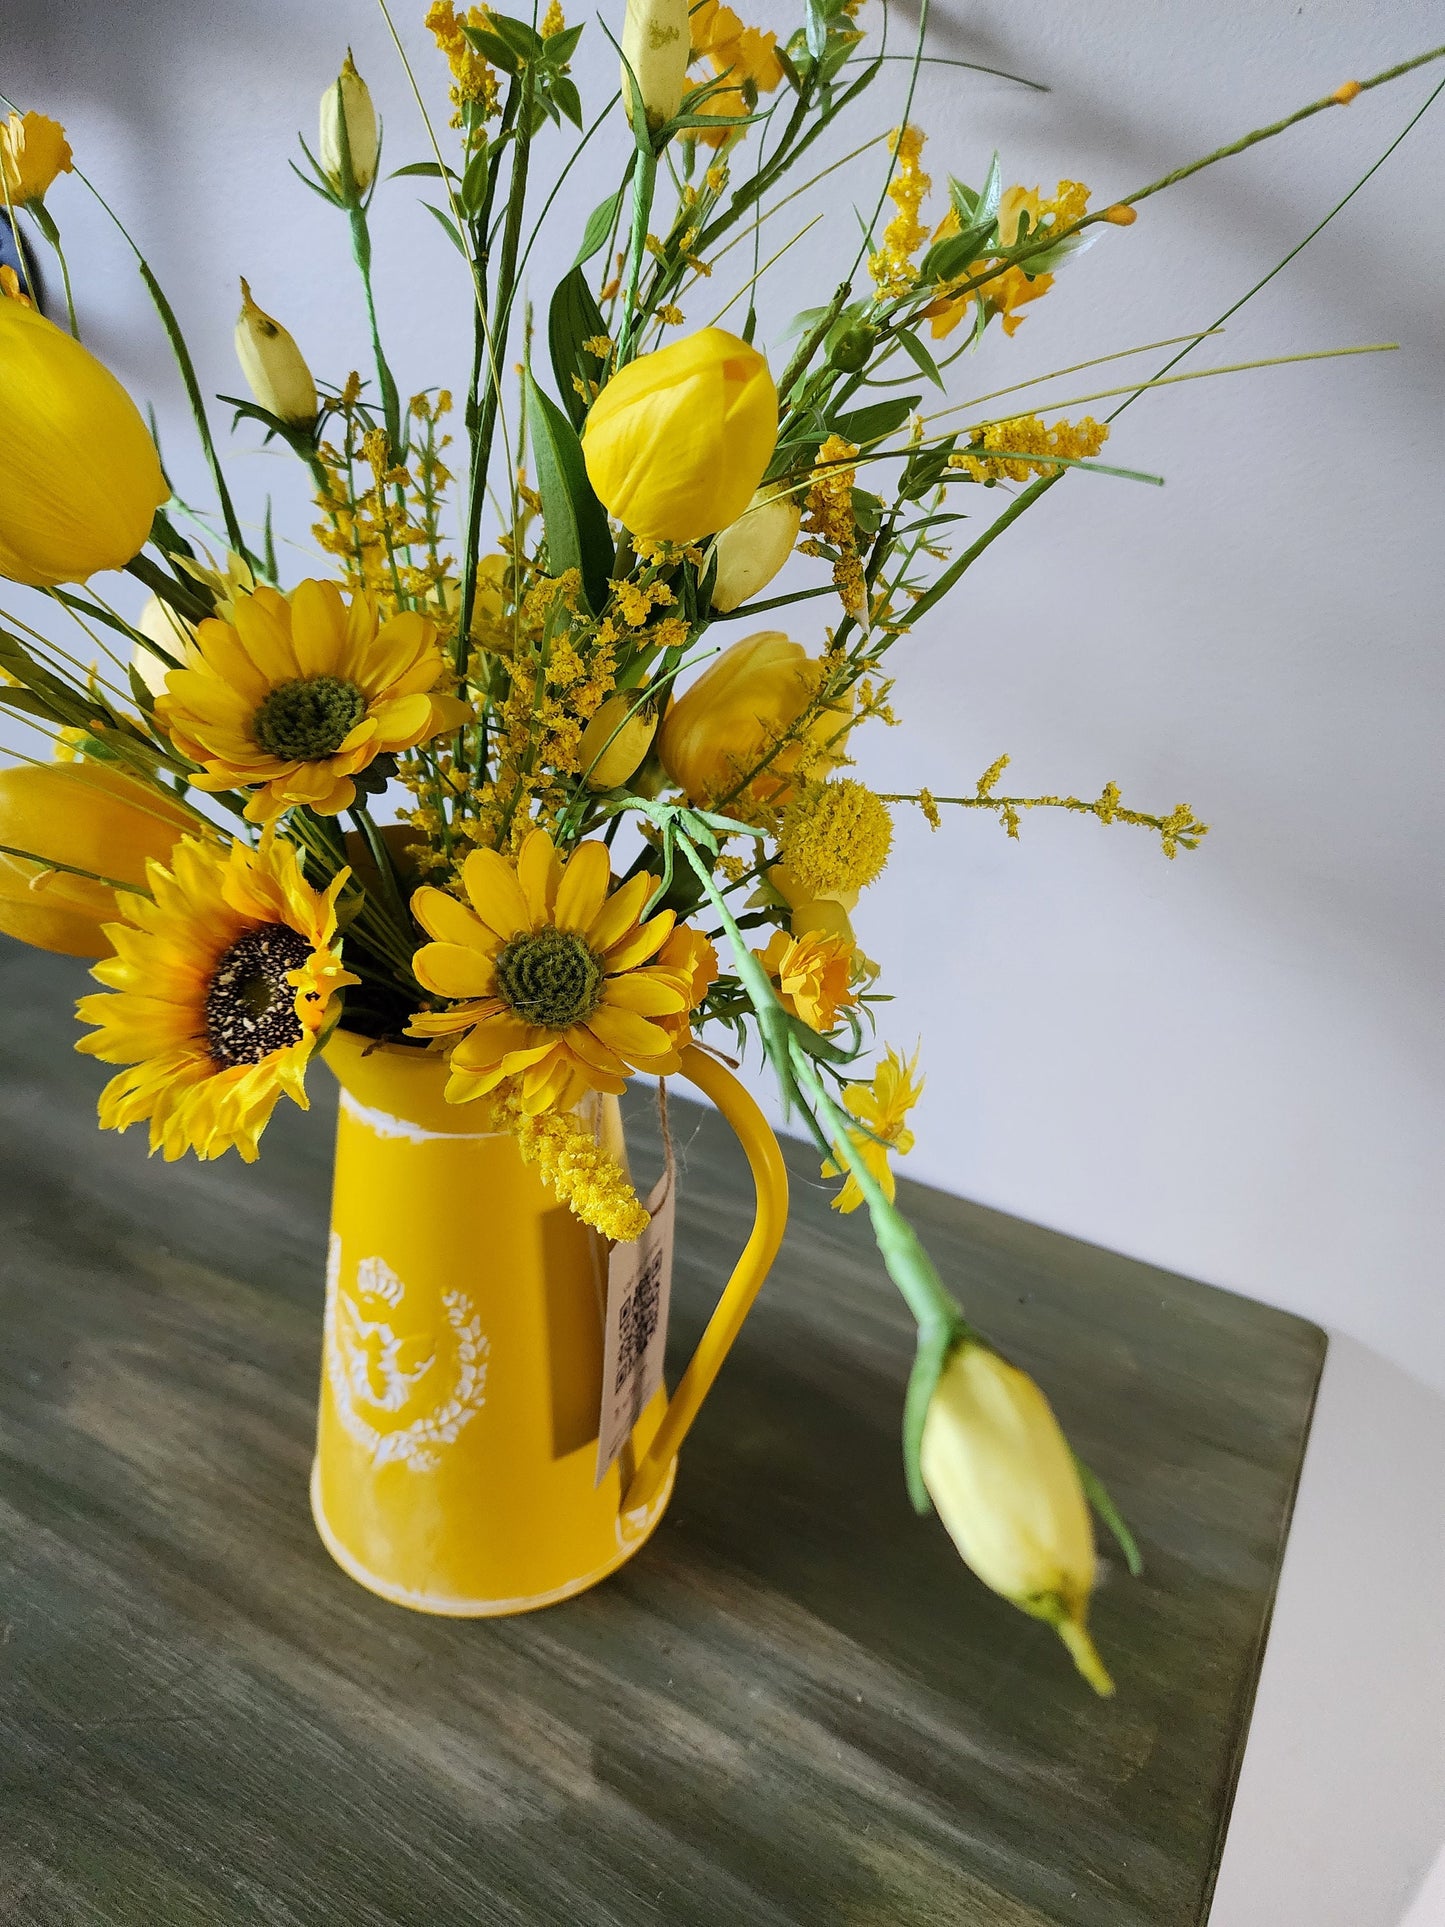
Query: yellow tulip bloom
pixel 80 479
pixel 677 442
pixel 33 150
pixel 615 741
pixel 1004 1481
pixel 93 818
pixel 719 730
pixel 752 550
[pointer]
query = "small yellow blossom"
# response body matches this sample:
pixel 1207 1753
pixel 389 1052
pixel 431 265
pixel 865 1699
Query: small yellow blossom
pixel 1005 288
pixel 881 1108
pixel 893 267
pixel 829 520
pixel 553 20
pixel 812 975
pixel 573 1165
pixel 1026 437
pixel 33 150
pixel 747 56
pixel 474 84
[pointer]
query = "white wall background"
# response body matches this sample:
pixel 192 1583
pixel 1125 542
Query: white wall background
pixel 1231 1065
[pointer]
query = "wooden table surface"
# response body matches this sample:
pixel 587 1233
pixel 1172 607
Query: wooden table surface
pixel 794 1705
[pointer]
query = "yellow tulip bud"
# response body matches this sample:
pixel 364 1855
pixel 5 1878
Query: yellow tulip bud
pixel 347 107
pixel 94 818
pixel 159 621
pixel 678 440
pixel 722 727
pixel 751 550
pixel 274 367
pixel 656 45
pixel 33 150
pixel 1004 1481
pixel 616 741
pixel 80 479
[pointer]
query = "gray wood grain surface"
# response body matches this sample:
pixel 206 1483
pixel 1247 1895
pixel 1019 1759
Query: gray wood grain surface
pixel 793 1706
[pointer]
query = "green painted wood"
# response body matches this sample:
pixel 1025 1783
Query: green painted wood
pixel 793 1706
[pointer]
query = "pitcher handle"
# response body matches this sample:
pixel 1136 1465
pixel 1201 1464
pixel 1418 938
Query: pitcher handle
pixel 770 1180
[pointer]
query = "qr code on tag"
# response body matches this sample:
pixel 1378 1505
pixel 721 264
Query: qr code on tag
pixel 637 1320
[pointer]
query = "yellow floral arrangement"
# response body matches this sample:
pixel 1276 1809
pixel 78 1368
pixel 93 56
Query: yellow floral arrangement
pixel 523 773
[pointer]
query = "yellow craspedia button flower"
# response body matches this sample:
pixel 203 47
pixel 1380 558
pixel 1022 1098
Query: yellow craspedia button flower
pixel 80 479
pixel 677 442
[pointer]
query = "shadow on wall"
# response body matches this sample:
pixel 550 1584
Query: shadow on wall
pixel 1341 1806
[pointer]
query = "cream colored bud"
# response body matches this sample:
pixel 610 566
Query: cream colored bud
pixel 615 743
pixel 656 43
pixel 1004 1481
pixel 159 621
pixel 348 99
pixel 752 550
pixel 273 365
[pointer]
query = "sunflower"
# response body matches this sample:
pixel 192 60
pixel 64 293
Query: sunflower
pixel 556 975
pixel 222 981
pixel 296 694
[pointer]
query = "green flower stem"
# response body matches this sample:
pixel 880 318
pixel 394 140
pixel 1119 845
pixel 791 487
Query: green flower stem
pixel 361 251
pixel 644 186
pixel 45 221
pixel 70 869
pixel 940 1320
pixel 489 340
pixel 386 868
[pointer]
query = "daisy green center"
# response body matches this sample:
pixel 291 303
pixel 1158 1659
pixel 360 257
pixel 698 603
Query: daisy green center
pixel 309 718
pixel 550 977
pixel 250 1008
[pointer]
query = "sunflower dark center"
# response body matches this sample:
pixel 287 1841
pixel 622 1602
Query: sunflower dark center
pixel 550 977
pixel 311 717
pixel 250 1007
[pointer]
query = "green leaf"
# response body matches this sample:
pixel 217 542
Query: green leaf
pixel 919 356
pixel 601 220
pixel 564 92
pixel 865 425
pixel 496 50
pixel 986 209
pixel 29 704
pixel 1097 1494
pixel 576 522
pixel 561 46
pixel 449 225
pixel 473 192
pixel 572 319
pixel 428 170
pixel 524 40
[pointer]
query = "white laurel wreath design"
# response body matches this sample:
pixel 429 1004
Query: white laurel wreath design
pixel 349 1367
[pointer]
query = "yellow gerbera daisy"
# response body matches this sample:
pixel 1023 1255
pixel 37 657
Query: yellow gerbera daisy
pixel 222 981
pixel 881 1108
pixel 555 973
pixel 296 694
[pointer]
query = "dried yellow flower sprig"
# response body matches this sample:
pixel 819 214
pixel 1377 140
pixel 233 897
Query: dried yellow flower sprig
pixel 1179 830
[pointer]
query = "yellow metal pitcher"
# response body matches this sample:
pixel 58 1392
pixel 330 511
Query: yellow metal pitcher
pixel 462 1364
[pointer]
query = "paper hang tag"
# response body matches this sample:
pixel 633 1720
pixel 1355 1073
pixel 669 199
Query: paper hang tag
pixel 639 1290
